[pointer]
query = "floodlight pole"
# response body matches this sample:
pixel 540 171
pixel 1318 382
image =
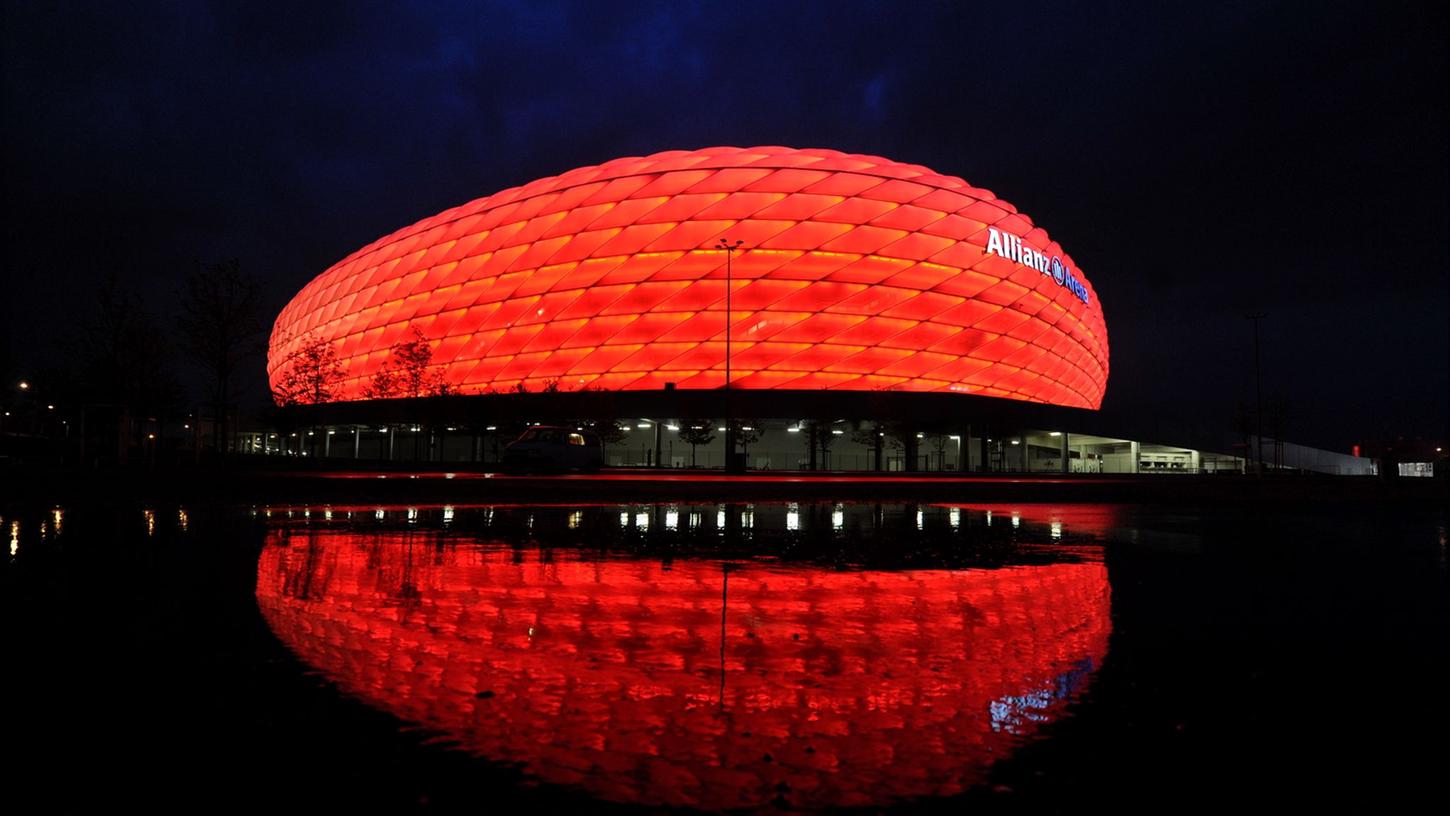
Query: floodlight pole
pixel 1258 392
pixel 729 249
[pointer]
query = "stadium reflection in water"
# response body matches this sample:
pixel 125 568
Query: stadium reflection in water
pixel 639 654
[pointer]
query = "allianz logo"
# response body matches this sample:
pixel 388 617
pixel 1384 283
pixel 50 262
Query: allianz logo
pixel 1012 248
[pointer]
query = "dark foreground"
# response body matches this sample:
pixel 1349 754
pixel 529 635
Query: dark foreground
pixel 1234 657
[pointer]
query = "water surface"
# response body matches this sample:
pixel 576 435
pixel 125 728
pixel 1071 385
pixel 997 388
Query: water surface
pixel 695 680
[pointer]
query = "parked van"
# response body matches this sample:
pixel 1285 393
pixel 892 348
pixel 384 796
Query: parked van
pixel 547 447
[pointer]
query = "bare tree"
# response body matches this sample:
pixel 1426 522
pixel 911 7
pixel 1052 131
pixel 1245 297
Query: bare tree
pixel 124 356
pixel 383 385
pixel 820 439
pixel 610 431
pixel 939 447
pixel 408 371
pixel 222 324
pixel 874 437
pixel 696 432
pixel 746 433
pixel 310 375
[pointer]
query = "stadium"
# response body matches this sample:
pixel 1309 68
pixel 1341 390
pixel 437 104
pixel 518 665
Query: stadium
pixel 823 310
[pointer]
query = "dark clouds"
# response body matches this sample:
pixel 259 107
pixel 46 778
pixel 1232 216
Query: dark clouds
pixel 1198 163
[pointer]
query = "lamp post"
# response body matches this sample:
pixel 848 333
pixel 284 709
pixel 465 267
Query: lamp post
pixel 729 250
pixel 1258 393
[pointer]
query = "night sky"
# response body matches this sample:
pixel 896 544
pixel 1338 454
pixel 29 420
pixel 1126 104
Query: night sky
pixel 1198 163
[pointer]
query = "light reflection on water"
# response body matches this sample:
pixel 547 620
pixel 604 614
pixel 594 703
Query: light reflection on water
pixel 601 648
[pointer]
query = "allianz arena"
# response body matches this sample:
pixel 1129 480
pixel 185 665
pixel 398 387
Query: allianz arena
pixel 881 317
pixel 855 273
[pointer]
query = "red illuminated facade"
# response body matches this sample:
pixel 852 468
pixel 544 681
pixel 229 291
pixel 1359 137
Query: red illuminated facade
pixel 662 684
pixel 857 273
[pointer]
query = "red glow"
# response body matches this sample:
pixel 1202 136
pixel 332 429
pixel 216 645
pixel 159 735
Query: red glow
pixel 860 273
pixel 840 688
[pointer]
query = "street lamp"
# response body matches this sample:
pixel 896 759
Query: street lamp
pixel 729 249
pixel 1258 392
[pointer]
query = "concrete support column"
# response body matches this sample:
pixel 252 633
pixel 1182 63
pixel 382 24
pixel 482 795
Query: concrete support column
pixel 326 442
pixel 390 443
pixel 357 442
pixel 910 449
pixel 659 442
pixel 1135 453
pixel 1066 466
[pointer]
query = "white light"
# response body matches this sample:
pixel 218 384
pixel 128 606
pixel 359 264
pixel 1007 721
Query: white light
pixel 1016 520
pixel 721 428
pixel 672 519
pixel 793 517
pixel 624 519
pixel 921 436
pixel 695 519
pixel 673 427
pixel 331 433
pixel 920 520
pixel 575 518
pixel 837 433
pixel 793 430
pixel 955 438
pixel 1056 530
pixel 1055 433
pixel 746 428
pixel 720 519
pixel 642 425
pixel 838 517
pixel 491 428
pixel 1016 441
pixel 954 515
pixel 641 520
pixel 448 514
